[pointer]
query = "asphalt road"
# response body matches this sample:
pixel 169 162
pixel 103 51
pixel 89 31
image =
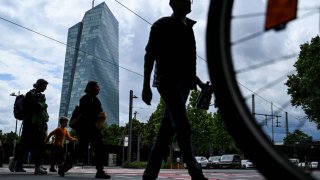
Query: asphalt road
pixel 119 173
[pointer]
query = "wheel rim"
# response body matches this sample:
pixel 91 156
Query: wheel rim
pixel 234 111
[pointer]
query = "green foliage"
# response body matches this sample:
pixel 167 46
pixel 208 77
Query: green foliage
pixel 9 137
pixel 297 137
pixel 169 165
pixel 202 124
pixel 135 165
pixel 113 135
pixel 304 85
pixel 137 128
pixel 223 141
pixel 73 133
pixel 209 135
pixel 152 127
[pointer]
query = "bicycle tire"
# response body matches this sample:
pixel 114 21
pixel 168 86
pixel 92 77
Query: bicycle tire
pixel 235 113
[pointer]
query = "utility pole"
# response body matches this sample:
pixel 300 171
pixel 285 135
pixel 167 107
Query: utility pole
pixel 272 137
pixel 266 117
pixel 277 122
pixel 287 124
pixel 125 144
pixel 15 131
pixel 139 138
pixel 14 94
pixel 130 124
pixel 266 120
pixel 253 106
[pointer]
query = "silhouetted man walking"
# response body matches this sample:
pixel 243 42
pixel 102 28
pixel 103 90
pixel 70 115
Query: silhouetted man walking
pixel 172 46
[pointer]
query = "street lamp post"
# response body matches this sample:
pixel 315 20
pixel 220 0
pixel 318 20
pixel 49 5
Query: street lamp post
pixel 125 144
pixel 15 139
pixel 295 149
pixel 130 124
pixel 14 94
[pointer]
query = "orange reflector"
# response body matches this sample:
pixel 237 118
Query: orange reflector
pixel 279 12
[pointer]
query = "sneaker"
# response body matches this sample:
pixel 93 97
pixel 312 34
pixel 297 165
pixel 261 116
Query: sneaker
pixel 12 164
pixel 63 168
pixel 60 172
pixel 102 175
pixel 52 170
pixel 39 171
pixel 11 169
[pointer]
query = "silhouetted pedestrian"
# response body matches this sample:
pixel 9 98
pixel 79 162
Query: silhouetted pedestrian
pixel 172 46
pixel 88 131
pixel 34 129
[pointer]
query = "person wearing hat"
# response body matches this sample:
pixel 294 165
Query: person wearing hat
pixel 34 129
pixel 172 48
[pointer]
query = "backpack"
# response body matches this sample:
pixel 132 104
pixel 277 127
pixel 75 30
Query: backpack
pixel 74 120
pixel 18 107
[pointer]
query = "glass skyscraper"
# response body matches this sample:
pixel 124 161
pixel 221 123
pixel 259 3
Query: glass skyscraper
pixel 92 54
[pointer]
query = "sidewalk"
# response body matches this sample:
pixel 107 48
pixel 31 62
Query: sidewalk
pixel 79 169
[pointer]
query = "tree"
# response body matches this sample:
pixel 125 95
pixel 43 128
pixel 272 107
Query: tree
pixel 202 126
pixel 209 134
pixel 9 137
pixel 152 127
pixel 304 85
pixel 297 137
pixel 113 135
pixel 223 141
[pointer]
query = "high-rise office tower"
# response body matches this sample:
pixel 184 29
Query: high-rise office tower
pixel 92 54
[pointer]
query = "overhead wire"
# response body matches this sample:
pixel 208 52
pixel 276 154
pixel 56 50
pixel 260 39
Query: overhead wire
pixel 127 69
pixel 259 14
pixel 241 40
pixel 65 44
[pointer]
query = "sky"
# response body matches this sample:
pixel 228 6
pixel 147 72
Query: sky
pixel 26 56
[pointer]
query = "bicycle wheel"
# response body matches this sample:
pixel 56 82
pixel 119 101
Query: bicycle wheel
pixel 232 105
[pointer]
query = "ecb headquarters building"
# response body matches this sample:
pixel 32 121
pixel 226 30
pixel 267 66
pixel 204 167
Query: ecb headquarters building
pixel 92 54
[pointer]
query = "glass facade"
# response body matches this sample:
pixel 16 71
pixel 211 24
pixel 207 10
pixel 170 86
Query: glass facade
pixel 92 54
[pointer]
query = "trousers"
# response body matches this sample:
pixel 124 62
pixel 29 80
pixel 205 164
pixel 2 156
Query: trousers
pixel 32 140
pixel 175 120
pixel 94 138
